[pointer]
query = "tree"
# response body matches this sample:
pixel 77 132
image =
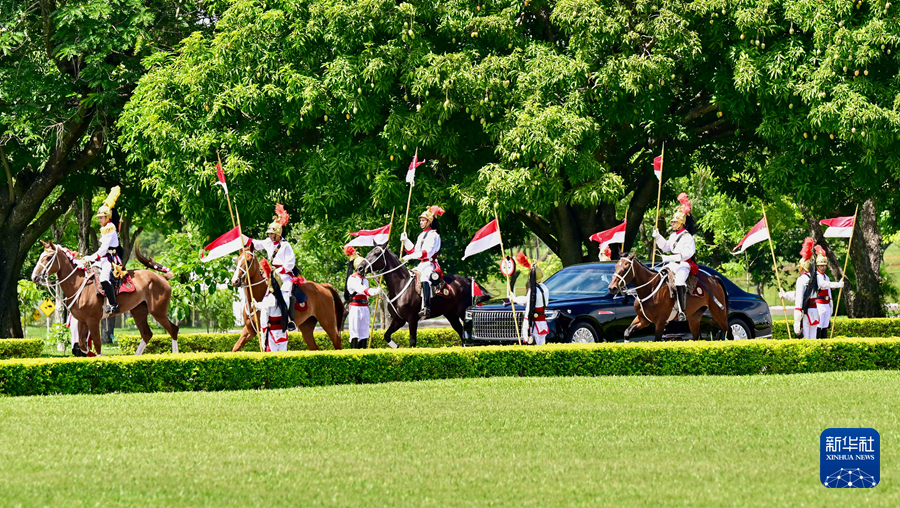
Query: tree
pixel 67 69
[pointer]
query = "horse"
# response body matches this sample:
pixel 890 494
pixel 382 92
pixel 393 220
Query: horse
pixel 654 303
pixel 401 289
pixel 151 296
pixel 324 305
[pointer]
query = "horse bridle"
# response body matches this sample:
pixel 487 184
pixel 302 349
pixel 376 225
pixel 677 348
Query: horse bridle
pixel 242 271
pixel 369 265
pixel 46 278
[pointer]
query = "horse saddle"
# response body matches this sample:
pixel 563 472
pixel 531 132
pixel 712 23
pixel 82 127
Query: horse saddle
pixel 694 286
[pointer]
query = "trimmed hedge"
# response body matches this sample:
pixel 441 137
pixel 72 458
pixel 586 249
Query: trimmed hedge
pixel 21 348
pixel 223 342
pixel 241 371
pixel 845 327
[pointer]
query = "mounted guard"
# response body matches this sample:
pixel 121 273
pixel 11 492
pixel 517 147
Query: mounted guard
pixel 107 261
pixel 281 258
pixel 358 292
pixel 425 250
pixel 681 245
pixel 534 326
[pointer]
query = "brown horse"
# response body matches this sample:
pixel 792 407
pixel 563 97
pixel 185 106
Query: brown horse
pixel 151 296
pixel 323 305
pixel 403 296
pixel 654 304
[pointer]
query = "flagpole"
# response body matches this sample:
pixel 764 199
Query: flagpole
pixel 844 273
pixel 378 296
pixel 775 267
pixel 512 303
pixel 662 161
pixel 408 201
pixel 251 302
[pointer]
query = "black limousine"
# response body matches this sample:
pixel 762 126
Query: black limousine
pixel 581 309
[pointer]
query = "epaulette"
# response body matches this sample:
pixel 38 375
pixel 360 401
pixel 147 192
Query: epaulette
pixel 107 229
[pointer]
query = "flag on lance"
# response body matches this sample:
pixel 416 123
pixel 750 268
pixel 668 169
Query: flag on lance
pixel 759 233
pixel 657 167
pixel 614 235
pixel 371 237
pixel 484 239
pixel 839 227
pixel 223 246
pixel 221 176
pixel 411 172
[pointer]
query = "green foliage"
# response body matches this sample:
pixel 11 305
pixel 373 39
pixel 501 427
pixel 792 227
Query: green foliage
pixel 243 371
pixel 21 348
pixel 843 327
pixel 30 296
pixel 223 342
pixel 59 334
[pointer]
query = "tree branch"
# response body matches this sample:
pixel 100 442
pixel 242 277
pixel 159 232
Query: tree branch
pixel 37 228
pixel 539 226
pixel 9 179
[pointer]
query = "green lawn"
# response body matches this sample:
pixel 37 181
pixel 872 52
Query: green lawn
pixel 636 441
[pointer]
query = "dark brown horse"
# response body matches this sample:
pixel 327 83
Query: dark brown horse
pixel 654 304
pixel 151 296
pixel 323 305
pixel 404 301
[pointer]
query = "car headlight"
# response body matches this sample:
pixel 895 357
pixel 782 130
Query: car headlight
pixel 551 314
pixel 468 315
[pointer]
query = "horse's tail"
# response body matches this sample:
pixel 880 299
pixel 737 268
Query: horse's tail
pixel 339 309
pixel 724 291
pixel 151 264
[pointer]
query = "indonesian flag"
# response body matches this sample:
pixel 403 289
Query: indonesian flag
pixel 657 167
pixel 371 237
pixel 223 246
pixel 614 235
pixel 411 172
pixel 221 175
pixel 759 233
pixel 484 239
pixel 839 227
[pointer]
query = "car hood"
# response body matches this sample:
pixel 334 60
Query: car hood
pixel 502 304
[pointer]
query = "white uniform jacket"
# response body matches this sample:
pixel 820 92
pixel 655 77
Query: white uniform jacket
pixel 680 243
pixel 538 314
pixel 281 257
pixel 426 248
pixel 358 287
pixel 824 298
pixel 102 258
pixel 810 322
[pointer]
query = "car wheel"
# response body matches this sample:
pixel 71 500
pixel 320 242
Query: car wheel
pixel 739 329
pixel 583 333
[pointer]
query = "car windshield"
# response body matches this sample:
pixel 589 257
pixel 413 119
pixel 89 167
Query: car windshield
pixel 580 281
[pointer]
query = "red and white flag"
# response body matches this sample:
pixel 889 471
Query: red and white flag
pixel 221 175
pixel 839 227
pixel 484 239
pixel 759 233
pixel 371 237
pixel 411 172
pixel 614 235
pixel 657 167
pixel 223 246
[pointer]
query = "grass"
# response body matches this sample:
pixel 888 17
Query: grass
pixel 641 441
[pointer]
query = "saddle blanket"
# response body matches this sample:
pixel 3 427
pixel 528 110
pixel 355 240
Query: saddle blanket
pixel 693 284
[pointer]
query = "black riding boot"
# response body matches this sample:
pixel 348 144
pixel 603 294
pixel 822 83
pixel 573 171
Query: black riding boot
pixel 681 291
pixel 426 300
pixel 821 333
pixel 354 343
pixel 110 297
pixel 286 321
pixel 363 343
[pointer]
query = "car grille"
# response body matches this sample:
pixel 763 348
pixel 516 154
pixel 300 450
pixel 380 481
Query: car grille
pixel 494 325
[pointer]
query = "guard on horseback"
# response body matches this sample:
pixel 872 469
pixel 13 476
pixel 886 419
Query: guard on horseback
pixel 534 326
pixel 681 245
pixel 425 250
pixel 107 261
pixel 358 292
pixel 281 257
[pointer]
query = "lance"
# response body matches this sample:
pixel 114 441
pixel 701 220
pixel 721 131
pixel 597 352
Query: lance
pixel 662 159
pixel 251 302
pixel 775 267
pixel 512 303
pixel 409 200
pixel 378 296
pixel 844 273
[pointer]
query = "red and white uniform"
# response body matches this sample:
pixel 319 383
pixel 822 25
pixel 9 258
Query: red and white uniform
pixel 539 334
pixel 681 245
pixel 358 287
pixel 102 259
pixel 809 323
pixel 425 249
pixel 823 298
pixel 281 257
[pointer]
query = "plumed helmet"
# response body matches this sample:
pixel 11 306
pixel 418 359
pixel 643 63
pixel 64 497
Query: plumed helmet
pixel 523 261
pixel 821 258
pixel 109 202
pixel 431 212
pixel 281 219
pixel 806 253
pixel 683 210
pixel 354 256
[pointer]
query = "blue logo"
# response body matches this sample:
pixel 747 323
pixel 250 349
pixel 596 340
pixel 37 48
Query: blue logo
pixel 850 458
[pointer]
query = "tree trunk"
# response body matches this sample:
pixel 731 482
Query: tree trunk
pixel 10 265
pixel 866 256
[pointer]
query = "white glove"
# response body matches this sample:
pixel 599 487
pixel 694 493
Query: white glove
pixel 374 291
pixel 410 257
pixel 782 294
pixel 403 237
pixel 671 258
pixel 837 285
pixel 798 315
pixel 796 327
pixel 655 233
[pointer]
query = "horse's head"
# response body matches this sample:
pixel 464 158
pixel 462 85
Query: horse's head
pixel 623 274
pixel 244 263
pixel 47 264
pixel 375 260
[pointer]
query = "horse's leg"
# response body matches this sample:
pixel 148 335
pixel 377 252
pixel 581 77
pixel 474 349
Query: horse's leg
pixel 246 334
pixel 328 320
pixel 455 323
pixel 396 324
pixel 94 330
pixel 694 323
pixel 172 328
pixel 413 325
pixel 307 329
pixel 139 314
pixel 638 323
